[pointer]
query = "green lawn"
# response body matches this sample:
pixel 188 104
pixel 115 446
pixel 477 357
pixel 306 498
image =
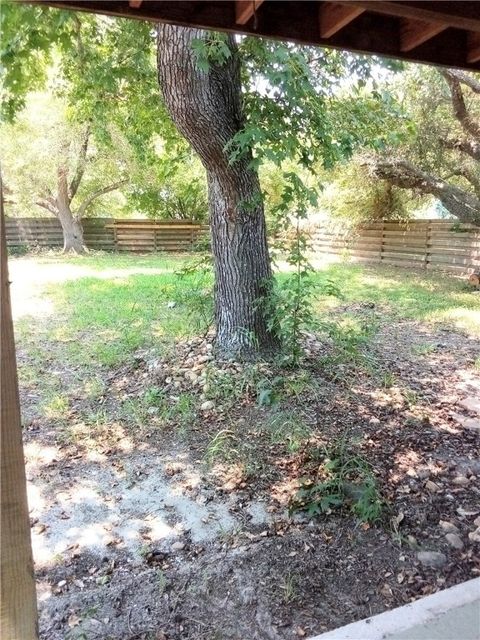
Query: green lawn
pixel 402 293
pixel 129 302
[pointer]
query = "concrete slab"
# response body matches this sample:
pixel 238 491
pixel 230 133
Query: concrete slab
pixel 452 614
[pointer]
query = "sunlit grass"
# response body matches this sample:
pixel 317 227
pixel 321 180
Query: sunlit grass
pixel 424 296
pixel 104 318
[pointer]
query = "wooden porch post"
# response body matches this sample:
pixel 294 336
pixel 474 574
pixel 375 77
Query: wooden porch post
pixel 18 604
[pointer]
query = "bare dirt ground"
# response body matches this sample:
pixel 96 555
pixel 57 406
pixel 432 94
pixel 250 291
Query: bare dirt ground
pixel 175 524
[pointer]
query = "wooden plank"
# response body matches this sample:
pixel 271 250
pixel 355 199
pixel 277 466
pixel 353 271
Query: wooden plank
pixel 418 251
pixel 406 242
pixel 448 255
pixel 135 236
pixel 128 225
pixel 453 260
pixel 334 17
pixel 453 235
pixel 453 245
pixel 402 236
pixel 405 263
pixel 371 233
pixel 367 254
pixel 245 9
pixel 371 226
pixel 412 257
pixel 364 244
pixel 406 226
pixel 99 243
pixel 18 604
pixel 450 268
pixel 413 33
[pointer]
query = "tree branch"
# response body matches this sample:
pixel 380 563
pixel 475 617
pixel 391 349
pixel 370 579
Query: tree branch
pixel 466 79
pixel 96 194
pixel 460 111
pixel 460 203
pixel 470 147
pixel 47 204
pixel 470 176
pixel 80 170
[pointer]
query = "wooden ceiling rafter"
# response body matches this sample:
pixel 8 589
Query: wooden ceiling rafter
pixel 443 11
pixel 334 16
pixel 473 44
pixel 413 33
pixel 405 29
pixel 245 10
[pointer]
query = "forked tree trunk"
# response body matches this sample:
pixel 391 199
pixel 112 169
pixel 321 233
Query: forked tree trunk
pixel 71 227
pixel 206 108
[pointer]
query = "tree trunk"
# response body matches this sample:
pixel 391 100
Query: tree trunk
pixel 72 232
pixel 72 228
pixel 206 108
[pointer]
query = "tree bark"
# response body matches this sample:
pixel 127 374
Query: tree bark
pixel 71 226
pixel 206 108
pixel 469 147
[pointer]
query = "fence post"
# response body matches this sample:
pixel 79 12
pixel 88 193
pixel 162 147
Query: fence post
pixel 115 241
pixel 382 245
pixel 428 240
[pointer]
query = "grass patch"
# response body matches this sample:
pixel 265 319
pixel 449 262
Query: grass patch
pixel 155 408
pixel 288 428
pixel 110 306
pixel 424 296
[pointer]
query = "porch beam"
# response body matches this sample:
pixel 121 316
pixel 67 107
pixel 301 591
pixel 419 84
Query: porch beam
pixel 245 9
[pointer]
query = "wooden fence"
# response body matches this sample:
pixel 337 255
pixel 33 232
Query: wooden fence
pixel 108 234
pixel 429 244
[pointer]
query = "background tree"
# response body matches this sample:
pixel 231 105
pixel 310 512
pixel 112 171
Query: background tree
pixel 59 169
pixel 172 188
pixel 439 152
pixel 109 119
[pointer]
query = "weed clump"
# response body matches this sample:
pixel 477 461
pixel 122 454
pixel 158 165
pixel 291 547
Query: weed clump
pixel 340 479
